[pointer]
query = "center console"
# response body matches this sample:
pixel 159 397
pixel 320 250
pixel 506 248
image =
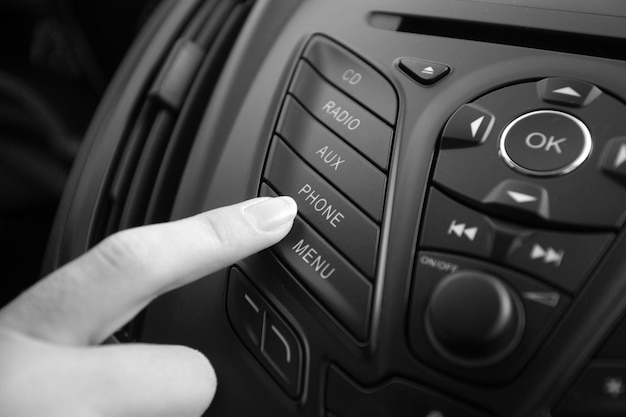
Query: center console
pixel 460 174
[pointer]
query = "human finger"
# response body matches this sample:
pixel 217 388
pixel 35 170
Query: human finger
pixel 89 298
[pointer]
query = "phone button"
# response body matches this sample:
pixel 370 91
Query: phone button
pixel 338 220
pixel 359 179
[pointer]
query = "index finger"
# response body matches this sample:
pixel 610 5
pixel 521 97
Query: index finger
pixel 91 297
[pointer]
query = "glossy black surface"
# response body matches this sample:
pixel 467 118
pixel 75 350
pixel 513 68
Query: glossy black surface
pixel 451 201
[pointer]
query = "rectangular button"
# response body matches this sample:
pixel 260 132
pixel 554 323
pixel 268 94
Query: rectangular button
pixel 352 75
pixel 450 226
pixel 333 281
pixel 246 310
pixel 282 350
pixel 342 115
pixel 270 339
pixel 562 259
pixel 325 208
pixel 337 162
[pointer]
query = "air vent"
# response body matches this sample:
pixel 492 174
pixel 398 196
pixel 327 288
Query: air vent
pixel 143 179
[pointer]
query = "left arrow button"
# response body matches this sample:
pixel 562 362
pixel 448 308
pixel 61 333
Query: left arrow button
pixel 470 125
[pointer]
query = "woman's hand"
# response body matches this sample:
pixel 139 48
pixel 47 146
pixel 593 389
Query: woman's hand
pixel 50 361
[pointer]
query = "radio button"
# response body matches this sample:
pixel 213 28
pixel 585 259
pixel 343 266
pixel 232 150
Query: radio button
pixel 357 79
pixel 357 126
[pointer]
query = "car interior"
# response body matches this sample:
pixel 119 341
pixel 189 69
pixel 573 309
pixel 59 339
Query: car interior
pixel 459 168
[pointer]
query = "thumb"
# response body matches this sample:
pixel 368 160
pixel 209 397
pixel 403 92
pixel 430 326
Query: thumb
pixel 39 378
pixel 148 380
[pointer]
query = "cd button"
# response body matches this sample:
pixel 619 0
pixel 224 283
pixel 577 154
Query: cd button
pixel 354 77
pixel 344 116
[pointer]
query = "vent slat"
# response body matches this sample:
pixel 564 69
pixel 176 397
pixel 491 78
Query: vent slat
pixel 150 162
pixel 173 164
pixel 147 170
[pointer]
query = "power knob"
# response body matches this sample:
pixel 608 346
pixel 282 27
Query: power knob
pixel 474 319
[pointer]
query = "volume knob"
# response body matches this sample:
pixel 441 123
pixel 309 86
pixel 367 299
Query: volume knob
pixel 474 319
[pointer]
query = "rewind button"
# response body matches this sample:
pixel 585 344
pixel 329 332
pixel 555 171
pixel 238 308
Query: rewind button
pixel 450 226
pixel 461 230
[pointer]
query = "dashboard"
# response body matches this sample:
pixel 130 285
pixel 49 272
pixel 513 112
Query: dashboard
pixel 460 172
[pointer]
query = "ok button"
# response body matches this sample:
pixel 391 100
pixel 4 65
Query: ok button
pixel 545 142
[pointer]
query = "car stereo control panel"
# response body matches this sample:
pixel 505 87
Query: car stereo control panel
pixel 460 174
pixel 526 197
pixel 331 153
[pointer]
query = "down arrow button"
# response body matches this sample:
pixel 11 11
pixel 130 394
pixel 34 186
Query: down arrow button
pixel 519 197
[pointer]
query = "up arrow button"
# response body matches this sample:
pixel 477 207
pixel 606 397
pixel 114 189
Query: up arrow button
pixel 568 92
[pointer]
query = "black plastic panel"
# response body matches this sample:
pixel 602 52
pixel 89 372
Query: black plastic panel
pixel 414 189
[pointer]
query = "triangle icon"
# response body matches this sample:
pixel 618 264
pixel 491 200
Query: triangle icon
pixel 554 257
pixel 471 233
pixel 567 91
pixel 457 229
pixel 550 299
pixel 428 70
pixel 537 252
pixel 621 157
pixel 475 125
pixel 521 197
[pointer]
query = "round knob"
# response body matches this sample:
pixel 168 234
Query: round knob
pixel 474 319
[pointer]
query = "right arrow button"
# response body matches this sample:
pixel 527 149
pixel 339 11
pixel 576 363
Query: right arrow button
pixel 614 158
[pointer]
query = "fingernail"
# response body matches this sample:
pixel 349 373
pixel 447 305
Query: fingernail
pixel 272 213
